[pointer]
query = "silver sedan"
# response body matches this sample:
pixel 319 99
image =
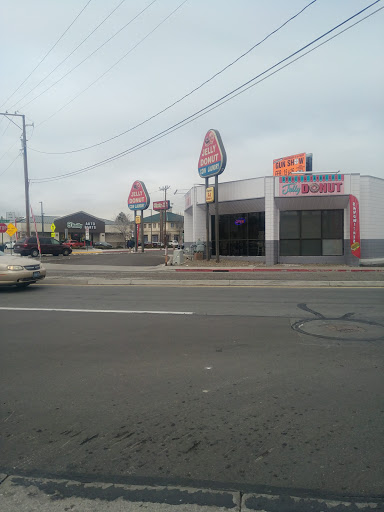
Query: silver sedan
pixel 15 271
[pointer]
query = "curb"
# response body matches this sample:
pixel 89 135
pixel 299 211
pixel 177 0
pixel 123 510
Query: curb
pixel 95 281
pixel 275 270
pixel 36 494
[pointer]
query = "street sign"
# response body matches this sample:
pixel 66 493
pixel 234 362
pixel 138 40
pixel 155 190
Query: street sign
pixel 53 227
pixel 137 219
pixel 213 158
pixel 210 195
pixel 138 198
pixel 11 230
pixel 3 228
pixel 161 205
pixel 87 232
pixel 52 235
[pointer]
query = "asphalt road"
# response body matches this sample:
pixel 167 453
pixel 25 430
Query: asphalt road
pixel 112 384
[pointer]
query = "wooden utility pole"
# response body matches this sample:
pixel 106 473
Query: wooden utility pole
pixel 26 179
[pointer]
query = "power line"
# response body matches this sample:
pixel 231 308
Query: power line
pixel 10 165
pixel 116 63
pixel 46 55
pixel 175 102
pixel 217 103
pixel 89 56
pixel 8 150
pixel 69 55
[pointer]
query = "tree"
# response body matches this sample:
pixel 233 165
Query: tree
pixel 124 225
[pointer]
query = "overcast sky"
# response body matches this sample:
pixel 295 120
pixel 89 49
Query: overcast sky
pixel 329 103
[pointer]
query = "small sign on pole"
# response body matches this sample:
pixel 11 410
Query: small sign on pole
pixel 210 194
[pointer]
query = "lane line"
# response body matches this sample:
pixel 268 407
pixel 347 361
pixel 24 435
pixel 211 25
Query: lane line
pixel 127 312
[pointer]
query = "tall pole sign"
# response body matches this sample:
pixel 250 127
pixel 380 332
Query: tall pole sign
pixel 138 200
pixel 212 162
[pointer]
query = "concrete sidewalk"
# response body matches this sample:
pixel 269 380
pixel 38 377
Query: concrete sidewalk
pixel 160 275
pixel 28 494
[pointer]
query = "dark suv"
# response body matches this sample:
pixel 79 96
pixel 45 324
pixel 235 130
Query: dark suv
pixel 29 246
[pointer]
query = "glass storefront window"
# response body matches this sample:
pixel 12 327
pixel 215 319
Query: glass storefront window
pixel 290 224
pixel 332 223
pixel 312 233
pixel 241 234
pixel 332 247
pixel 311 224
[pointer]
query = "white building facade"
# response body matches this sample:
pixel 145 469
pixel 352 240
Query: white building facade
pixel 303 218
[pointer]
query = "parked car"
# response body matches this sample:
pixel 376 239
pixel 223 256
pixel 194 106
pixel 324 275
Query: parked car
pixel 14 271
pixel 10 245
pixel 174 244
pixel 28 247
pixel 102 245
pixel 75 244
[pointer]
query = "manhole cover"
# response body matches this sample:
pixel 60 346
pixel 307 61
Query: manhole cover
pixel 345 328
pixel 341 329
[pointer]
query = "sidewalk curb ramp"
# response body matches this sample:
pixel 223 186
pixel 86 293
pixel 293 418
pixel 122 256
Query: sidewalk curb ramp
pixel 53 495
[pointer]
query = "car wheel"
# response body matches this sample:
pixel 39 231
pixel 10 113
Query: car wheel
pixel 34 253
pixel 65 252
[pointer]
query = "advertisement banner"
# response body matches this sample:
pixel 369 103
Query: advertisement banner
pixel 354 223
pixel 289 165
pixel 313 185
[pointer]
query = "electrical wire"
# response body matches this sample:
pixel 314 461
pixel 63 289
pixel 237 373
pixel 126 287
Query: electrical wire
pixel 175 102
pixel 10 165
pixel 88 56
pixel 116 63
pixel 46 55
pixel 69 55
pixel 219 102
pixel 8 150
pixel 9 122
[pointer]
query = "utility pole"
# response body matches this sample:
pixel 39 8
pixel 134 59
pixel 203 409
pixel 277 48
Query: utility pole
pixel 164 189
pixel 26 179
pixel 42 218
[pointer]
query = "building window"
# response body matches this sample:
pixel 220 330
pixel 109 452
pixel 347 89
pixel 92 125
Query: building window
pixel 241 234
pixel 172 224
pixel 155 238
pixel 312 233
pixel 145 226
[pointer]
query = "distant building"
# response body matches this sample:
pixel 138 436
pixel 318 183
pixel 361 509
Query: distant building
pixel 174 228
pixel 72 227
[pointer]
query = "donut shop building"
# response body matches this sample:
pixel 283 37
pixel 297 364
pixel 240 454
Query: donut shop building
pixel 301 218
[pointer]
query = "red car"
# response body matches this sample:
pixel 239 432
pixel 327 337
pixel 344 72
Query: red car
pixel 74 244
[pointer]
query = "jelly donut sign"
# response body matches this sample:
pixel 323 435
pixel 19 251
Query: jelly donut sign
pixel 213 157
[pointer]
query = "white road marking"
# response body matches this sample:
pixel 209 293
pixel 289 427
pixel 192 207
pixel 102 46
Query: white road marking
pixel 125 311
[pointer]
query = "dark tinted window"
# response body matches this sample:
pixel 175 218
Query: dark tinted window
pixel 311 224
pixel 32 240
pixel 312 233
pixel 290 224
pixel 332 223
